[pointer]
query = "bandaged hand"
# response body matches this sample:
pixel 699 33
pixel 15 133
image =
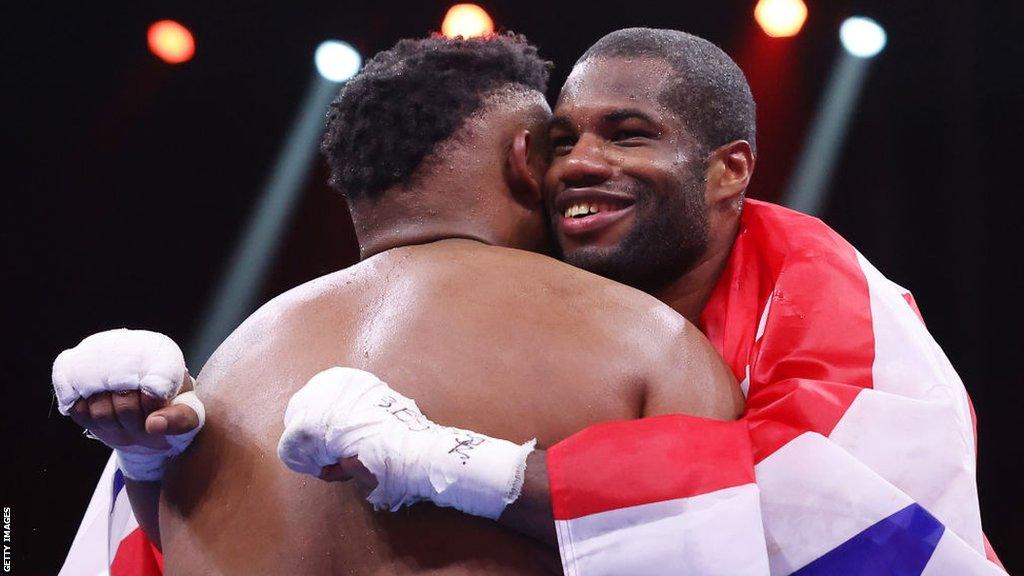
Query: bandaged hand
pixel 123 387
pixel 344 413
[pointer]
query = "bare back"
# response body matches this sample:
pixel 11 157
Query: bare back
pixel 505 342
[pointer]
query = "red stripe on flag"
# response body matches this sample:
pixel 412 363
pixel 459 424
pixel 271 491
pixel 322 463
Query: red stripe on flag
pixel 818 347
pixel 793 407
pixel 136 556
pixel 620 464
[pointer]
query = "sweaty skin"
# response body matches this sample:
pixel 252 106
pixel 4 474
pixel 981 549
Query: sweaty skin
pixel 501 341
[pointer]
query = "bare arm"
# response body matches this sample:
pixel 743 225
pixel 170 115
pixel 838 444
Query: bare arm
pixel 531 513
pixel 692 379
pixel 145 496
pixel 689 377
pixel 145 500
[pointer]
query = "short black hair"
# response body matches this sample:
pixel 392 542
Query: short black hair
pixel 709 91
pixel 408 99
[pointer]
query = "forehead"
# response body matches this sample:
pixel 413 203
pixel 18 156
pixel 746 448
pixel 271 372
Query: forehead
pixel 605 83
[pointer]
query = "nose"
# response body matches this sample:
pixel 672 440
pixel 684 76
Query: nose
pixel 586 164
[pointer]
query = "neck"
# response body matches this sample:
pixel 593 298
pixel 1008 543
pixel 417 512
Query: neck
pixel 689 293
pixel 411 233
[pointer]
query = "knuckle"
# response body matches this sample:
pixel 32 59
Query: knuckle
pixel 102 418
pixel 125 403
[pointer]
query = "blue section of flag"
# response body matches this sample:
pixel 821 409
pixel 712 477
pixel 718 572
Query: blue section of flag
pixel 899 545
pixel 117 486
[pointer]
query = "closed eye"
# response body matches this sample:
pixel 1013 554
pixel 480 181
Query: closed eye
pixel 632 137
pixel 562 145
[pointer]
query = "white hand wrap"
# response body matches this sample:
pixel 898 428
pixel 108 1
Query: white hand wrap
pixel 148 464
pixel 118 360
pixel 123 360
pixel 344 412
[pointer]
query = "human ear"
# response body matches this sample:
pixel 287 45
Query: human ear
pixel 523 181
pixel 730 167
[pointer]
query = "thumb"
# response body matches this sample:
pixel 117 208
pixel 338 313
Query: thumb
pixel 172 420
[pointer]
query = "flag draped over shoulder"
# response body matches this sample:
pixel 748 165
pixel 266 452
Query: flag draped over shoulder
pixel 109 540
pixel 855 455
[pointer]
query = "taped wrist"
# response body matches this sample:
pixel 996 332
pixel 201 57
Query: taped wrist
pixel 345 412
pixel 470 472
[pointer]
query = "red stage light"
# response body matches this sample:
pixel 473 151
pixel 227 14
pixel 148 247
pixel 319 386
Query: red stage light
pixel 171 42
pixel 781 18
pixel 466 20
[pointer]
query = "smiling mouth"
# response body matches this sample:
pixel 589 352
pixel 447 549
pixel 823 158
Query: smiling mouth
pixel 580 217
pixel 583 209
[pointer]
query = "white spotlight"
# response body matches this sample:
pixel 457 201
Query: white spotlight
pixel 337 61
pixel 862 37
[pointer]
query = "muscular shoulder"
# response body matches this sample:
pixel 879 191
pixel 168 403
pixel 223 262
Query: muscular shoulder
pixel 278 323
pixel 688 376
pixel 681 372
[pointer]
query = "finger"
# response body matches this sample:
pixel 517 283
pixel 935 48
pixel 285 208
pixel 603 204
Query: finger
pixel 150 404
pixel 334 473
pixel 172 420
pixel 128 411
pixel 354 468
pixel 101 411
pixel 79 413
pixel 111 436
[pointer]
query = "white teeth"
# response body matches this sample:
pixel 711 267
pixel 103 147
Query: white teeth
pixel 585 208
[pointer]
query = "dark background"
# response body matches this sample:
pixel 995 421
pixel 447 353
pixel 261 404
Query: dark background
pixel 128 182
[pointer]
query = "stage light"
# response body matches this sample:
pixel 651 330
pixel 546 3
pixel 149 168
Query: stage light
pixel 466 20
pixel 245 276
pixel 862 37
pixel 337 61
pixel 781 18
pixel 171 42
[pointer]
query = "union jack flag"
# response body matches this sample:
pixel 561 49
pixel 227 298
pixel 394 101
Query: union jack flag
pixel 855 455
pixel 109 540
